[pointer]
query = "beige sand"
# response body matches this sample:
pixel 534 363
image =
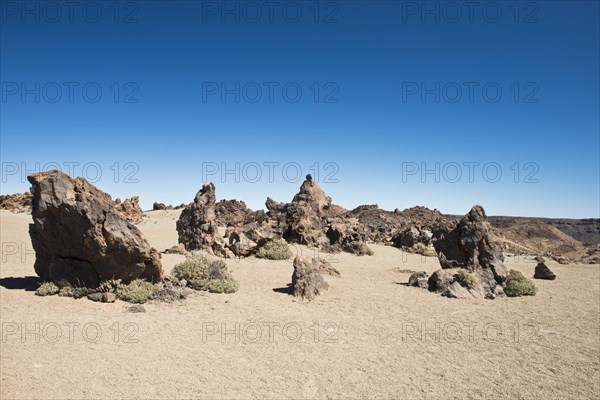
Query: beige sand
pixel 370 340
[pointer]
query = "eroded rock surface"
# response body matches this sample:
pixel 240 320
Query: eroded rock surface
pixel 79 235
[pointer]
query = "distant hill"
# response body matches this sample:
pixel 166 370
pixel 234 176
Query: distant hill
pixel 586 231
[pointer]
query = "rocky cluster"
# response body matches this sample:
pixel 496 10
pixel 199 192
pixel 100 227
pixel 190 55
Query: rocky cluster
pixel 162 206
pixel 307 279
pixel 471 261
pixel 236 213
pixel 17 203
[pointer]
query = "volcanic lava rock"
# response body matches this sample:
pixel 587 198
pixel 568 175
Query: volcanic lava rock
pixel 236 213
pixel 469 246
pixel 160 206
pixel 81 237
pixel 16 203
pixel 306 215
pixel 130 209
pixel 196 226
pixel 542 271
pixel 419 279
pixel 307 279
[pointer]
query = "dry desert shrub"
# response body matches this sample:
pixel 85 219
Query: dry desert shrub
pixel 518 285
pixel 275 250
pixel 202 273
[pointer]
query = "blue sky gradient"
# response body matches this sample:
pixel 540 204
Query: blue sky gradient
pixel 364 69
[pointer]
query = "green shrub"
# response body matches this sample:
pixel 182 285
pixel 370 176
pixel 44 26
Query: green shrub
pixel 518 285
pixel 281 227
pixel 111 286
pixel 47 289
pixel 226 285
pixel 138 291
pixel 363 250
pixel 421 248
pixel 466 278
pixel 75 292
pixel 275 250
pixel 203 273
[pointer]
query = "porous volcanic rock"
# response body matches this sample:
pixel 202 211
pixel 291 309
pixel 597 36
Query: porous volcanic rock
pixel 469 246
pixel 16 203
pixel 130 209
pixel 307 279
pixel 80 236
pixel 196 226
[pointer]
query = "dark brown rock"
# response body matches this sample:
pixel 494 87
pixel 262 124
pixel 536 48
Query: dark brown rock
pixel 235 213
pixel 80 236
pixel 130 209
pixel 542 271
pixel 160 206
pixel 469 245
pixel 196 226
pixel 419 279
pixel 408 237
pixel 307 281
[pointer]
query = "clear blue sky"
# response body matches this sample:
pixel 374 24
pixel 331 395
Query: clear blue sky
pixel 387 88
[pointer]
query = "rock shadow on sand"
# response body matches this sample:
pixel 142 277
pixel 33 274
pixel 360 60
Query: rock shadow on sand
pixel 27 283
pixel 285 290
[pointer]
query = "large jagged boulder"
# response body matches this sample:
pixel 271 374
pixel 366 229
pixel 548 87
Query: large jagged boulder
pixel 307 279
pixel 130 209
pixel 469 246
pixel 197 227
pixel 80 236
pixel 16 203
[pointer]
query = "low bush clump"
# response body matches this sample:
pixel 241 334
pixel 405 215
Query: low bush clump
pixel 424 250
pixel 364 250
pixel 138 291
pixel 518 285
pixel 47 289
pixel 275 250
pixel 74 292
pixel 466 278
pixel 202 273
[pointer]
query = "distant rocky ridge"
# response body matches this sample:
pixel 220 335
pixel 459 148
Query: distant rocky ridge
pixel 312 219
pixel 17 203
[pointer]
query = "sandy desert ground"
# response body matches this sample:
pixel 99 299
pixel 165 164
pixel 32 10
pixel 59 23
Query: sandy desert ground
pixel 369 336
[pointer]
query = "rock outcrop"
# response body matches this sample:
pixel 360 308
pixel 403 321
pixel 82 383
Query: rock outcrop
pixel 130 209
pixel 305 215
pixel 161 206
pixel 80 236
pixel 469 247
pixel 419 279
pixel 197 227
pixel 307 279
pixel 542 271
pixel 17 203
pixel 236 213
